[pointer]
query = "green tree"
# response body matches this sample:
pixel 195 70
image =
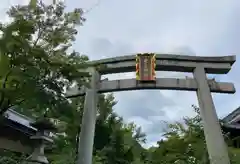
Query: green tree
pixel 37 64
pixel 35 59
pixel 116 142
pixel 185 143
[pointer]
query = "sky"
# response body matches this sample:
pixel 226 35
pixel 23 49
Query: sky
pixel 186 27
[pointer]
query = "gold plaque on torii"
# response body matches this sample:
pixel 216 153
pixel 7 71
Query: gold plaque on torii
pixel 145 67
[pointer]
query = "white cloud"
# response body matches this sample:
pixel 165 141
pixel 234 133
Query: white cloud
pixel 115 28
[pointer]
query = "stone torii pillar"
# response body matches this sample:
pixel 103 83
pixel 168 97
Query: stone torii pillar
pixel 216 145
pixel 86 138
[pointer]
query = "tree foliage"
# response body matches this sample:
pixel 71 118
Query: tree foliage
pixel 185 144
pixel 36 62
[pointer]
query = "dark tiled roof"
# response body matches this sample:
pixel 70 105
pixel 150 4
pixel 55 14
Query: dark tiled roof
pixel 231 121
pixel 232 126
pixel 19 122
pixel 233 117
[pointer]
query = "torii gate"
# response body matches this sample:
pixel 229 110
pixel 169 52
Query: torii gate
pixel 199 66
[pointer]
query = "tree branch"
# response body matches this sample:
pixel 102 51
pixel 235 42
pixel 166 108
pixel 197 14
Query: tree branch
pixel 40 32
pixel 17 103
pixel 3 87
